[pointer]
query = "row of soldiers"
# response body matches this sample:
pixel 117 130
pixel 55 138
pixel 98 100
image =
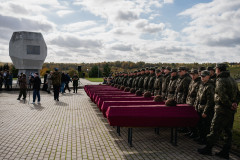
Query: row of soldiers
pixel 215 97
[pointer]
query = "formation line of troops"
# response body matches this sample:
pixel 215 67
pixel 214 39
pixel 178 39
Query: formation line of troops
pixel 212 91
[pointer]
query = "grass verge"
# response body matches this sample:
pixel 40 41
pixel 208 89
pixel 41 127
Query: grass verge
pixel 95 79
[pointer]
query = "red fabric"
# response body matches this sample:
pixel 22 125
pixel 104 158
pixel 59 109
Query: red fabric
pixel 106 104
pixel 113 95
pixel 101 100
pixel 152 116
pixel 96 95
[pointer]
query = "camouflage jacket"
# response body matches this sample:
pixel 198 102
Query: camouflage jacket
pixel 115 79
pixel 120 79
pixel 205 99
pixel 165 82
pixel 158 85
pixel 182 89
pixel 141 81
pixel 23 83
pixel 213 79
pixel 151 82
pixel 146 80
pixel 135 81
pixel 192 90
pixel 124 81
pixel 172 87
pixel 130 81
pixel 56 78
pixel 226 91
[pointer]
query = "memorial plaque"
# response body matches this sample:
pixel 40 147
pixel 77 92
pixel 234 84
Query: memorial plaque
pixel 33 49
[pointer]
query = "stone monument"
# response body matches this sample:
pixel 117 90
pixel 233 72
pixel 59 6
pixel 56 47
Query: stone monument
pixel 28 51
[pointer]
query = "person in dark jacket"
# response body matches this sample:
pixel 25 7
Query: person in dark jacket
pixel 67 80
pixel 56 81
pixel 23 87
pixel 36 87
pixel 75 83
pixel 63 80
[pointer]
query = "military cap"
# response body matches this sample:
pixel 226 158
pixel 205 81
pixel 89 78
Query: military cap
pixel 201 69
pixel 205 73
pixel 163 68
pixel 158 71
pixel 174 70
pixel 221 66
pixel 210 68
pixel 194 71
pixel 168 68
pixel 139 70
pixel 147 68
pixel 142 69
pixel 181 68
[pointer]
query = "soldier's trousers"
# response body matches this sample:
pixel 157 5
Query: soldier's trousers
pixel 23 92
pixel 204 125
pixel 222 121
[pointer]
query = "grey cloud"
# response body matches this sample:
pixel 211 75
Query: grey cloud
pixel 164 50
pixel 224 42
pixel 122 32
pixel 122 47
pixel 126 16
pixel 63 54
pixel 149 27
pixel 18 9
pixel 23 24
pixel 74 42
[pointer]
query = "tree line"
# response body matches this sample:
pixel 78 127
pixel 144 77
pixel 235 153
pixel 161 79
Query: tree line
pixel 104 69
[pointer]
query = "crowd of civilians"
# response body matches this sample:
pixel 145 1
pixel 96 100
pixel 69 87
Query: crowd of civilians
pixel 6 79
pixel 59 80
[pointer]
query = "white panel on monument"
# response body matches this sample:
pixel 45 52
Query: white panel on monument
pixel 27 50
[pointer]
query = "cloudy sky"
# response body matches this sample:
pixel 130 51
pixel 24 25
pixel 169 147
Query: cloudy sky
pixel 127 30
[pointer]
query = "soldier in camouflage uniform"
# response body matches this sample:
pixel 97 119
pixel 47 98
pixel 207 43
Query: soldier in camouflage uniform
pixel 226 103
pixel 120 78
pixel 192 94
pixel 165 81
pixel 182 85
pixel 213 76
pixel 141 80
pixel 163 70
pixel 137 80
pixel 125 79
pixel 151 81
pixel 146 79
pixel 172 84
pixel 134 79
pixel 158 83
pixel 204 105
pixel 193 87
pixel 116 77
pixel 130 80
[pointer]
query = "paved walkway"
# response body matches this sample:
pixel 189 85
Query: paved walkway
pixel 74 128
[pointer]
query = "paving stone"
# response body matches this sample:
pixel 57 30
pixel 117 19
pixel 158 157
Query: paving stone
pixel 74 128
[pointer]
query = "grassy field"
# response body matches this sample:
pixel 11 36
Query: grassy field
pixel 95 79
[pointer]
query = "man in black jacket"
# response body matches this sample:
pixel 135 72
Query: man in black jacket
pixel 36 87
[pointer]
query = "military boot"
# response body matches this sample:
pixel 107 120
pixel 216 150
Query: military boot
pixel 224 153
pixel 207 150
